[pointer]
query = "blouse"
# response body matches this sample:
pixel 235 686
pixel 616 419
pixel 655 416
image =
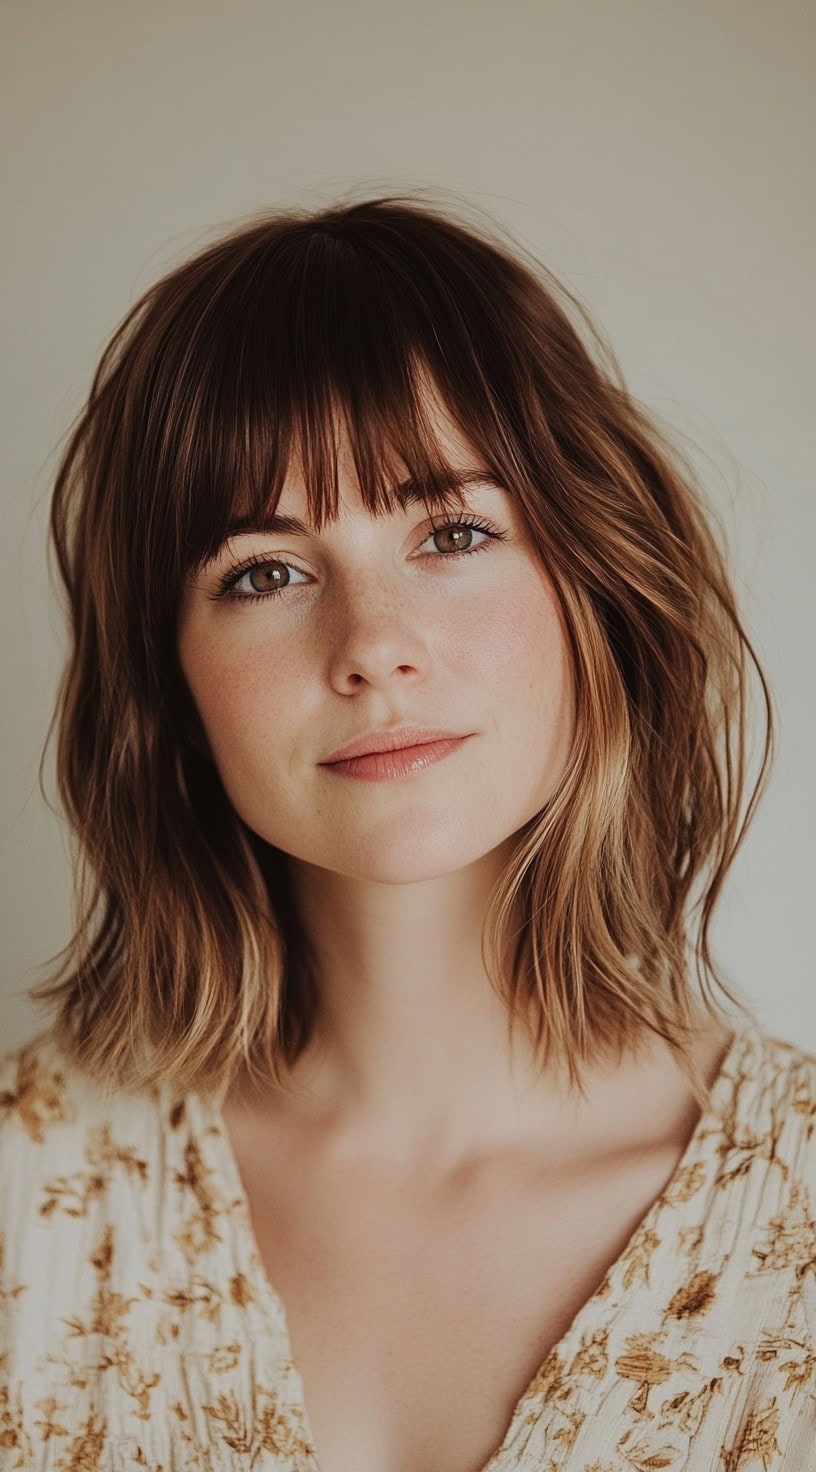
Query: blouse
pixel 138 1328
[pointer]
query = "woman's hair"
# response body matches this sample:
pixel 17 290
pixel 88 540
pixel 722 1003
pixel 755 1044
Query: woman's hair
pixel 189 960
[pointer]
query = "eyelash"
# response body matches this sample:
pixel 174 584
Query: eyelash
pixel 226 584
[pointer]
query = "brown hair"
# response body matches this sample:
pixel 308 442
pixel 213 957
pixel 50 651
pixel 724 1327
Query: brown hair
pixel 188 959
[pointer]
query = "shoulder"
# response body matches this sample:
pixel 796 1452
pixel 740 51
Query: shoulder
pixel 48 1107
pixel 73 1156
pixel 39 1108
pixel 88 1207
pixel 774 1080
pixel 56 1121
pixel 768 1161
pixel 33 1082
pixel 767 1101
pixel 767 1189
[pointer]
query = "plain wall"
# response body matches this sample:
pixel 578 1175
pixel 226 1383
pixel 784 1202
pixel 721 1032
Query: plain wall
pixel 658 157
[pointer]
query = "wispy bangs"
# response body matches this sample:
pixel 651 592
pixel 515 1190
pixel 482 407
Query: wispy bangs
pixel 267 351
pixel 319 331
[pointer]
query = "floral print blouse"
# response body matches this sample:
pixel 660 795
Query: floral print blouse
pixel 138 1329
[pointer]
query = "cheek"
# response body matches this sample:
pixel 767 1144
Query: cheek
pixel 242 695
pixel 527 677
pixel 523 642
pixel 503 658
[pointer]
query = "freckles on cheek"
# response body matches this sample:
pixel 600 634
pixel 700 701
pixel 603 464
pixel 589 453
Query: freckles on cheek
pixel 524 629
pixel 263 713
pixel 530 652
pixel 232 686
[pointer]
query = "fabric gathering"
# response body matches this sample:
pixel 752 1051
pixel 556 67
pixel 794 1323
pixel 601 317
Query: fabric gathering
pixel 139 1329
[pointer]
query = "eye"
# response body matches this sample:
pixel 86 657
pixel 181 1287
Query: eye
pixel 229 592
pixel 228 585
pixel 461 528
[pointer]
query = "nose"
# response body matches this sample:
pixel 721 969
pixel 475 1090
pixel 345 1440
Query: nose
pixel 376 640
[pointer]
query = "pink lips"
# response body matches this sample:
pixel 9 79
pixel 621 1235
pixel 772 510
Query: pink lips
pixel 389 738
pixel 383 766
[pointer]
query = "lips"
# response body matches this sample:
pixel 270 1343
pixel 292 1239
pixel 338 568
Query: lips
pixel 393 738
pixel 402 761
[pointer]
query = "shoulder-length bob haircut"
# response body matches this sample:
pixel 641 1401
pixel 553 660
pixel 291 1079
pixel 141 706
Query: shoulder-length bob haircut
pixel 188 960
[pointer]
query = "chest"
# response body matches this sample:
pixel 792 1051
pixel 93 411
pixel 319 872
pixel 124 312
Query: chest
pixel 417 1324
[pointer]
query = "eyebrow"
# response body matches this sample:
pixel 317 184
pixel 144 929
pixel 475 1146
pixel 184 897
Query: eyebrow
pixel 407 492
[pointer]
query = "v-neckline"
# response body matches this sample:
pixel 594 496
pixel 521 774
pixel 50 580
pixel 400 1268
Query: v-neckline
pixel 271 1307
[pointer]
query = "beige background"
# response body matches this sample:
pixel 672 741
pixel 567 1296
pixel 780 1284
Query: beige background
pixel 658 157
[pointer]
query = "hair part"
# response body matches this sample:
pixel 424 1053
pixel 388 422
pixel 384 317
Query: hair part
pixel 188 959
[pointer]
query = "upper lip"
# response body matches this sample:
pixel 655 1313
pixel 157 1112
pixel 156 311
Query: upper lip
pixel 390 738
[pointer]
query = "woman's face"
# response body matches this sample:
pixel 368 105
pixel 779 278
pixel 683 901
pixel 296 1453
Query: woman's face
pixel 379 623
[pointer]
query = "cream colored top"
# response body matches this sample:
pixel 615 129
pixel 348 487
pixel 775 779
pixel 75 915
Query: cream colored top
pixel 138 1328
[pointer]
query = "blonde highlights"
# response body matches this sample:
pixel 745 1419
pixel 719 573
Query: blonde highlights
pixel 188 959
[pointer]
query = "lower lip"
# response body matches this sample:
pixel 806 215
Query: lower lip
pixel 382 766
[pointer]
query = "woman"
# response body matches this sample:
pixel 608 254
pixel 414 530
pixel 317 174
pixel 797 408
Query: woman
pixel 379 1126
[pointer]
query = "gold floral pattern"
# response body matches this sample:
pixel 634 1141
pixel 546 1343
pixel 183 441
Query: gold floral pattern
pixel 138 1328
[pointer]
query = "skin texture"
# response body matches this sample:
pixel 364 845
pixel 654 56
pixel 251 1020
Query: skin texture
pixel 432 1209
pixel 410 1063
pixel 381 622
